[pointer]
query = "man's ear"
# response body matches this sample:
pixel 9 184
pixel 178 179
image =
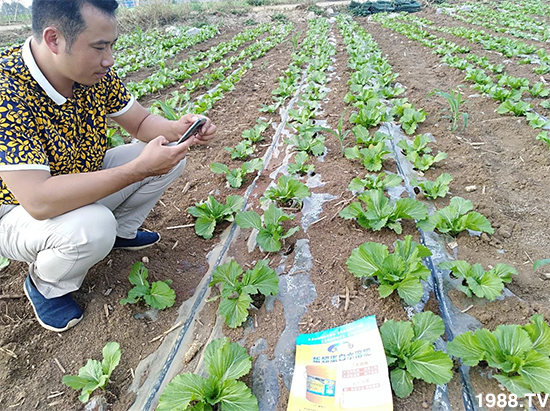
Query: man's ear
pixel 53 39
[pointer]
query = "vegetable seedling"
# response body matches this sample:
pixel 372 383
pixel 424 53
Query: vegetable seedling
pixel 288 192
pixel 402 271
pixel 379 212
pixel 379 181
pixel 475 281
pixel 211 212
pixel 434 189
pixel 300 166
pixel 269 226
pixel 238 286
pixel 455 218
pixel 225 363
pixel 95 374
pixel 520 354
pixel 158 295
pixel 236 176
pixel 411 355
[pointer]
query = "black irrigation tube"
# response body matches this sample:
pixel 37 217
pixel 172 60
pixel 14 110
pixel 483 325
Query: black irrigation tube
pixel 437 287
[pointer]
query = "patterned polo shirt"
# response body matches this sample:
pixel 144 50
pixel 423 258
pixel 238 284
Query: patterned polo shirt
pixel 42 130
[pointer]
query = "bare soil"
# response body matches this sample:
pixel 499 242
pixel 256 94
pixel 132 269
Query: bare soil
pixel 508 167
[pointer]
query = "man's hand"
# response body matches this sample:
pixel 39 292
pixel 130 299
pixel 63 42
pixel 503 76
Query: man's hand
pixel 158 158
pixel 206 132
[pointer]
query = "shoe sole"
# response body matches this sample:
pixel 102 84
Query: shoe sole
pixel 137 247
pixel 70 324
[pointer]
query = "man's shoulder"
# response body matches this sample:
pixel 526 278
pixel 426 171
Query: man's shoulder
pixel 13 72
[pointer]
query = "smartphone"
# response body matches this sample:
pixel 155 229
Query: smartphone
pixel 191 131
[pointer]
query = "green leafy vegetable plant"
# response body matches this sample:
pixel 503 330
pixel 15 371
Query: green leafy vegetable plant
pixel 236 176
pixel 371 157
pixel 535 120
pixel 237 288
pixel 374 182
pixel 158 295
pixel 411 355
pixel 502 94
pixel 478 76
pixel 380 212
pixel 455 218
pixel 539 90
pixel 255 134
pixel 520 354
pixel 95 374
pixel 544 137
pixel 225 363
pixel 211 212
pixel 401 271
pixel 113 138
pixel 518 83
pixel 363 137
pixel 411 118
pixel 289 191
pixel 370 115
pixel 517 108
pixel 476 281
pixel 242 150
pixel 424 162
pixel 418 152
pixel 306 142
pixel 434 189
pixel 300 166
pixel 270 229
pixel 419 145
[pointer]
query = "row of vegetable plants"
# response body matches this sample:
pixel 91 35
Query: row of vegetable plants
pixel 408 354
pixel 525 7
pixel 514 22
pixel 506 89
pixel 138 50
pixel 509 47
pixel 237 287
pixel 182 102
pixel 184 69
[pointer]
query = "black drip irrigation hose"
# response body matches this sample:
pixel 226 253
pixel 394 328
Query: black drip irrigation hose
pixel 155 391
pixel 456 322
pixel 441 396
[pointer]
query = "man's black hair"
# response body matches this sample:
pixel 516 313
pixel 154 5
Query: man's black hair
pixel 66 16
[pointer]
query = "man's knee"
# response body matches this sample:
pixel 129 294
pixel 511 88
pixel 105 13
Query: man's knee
pixel 96 231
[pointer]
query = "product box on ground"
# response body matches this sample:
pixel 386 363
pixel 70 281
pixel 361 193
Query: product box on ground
pixel 343 368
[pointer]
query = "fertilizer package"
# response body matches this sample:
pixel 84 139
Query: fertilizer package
pixel 343 368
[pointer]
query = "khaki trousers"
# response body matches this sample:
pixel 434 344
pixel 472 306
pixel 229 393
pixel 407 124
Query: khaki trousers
pixel 61 250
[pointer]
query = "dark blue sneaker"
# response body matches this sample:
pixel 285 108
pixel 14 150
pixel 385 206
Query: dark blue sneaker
pixel 54 314
pixel 142 240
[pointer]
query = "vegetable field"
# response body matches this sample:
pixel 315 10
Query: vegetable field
pixel 387 165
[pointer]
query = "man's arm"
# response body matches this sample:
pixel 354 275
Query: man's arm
pixel 44 196
pixel 144 126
